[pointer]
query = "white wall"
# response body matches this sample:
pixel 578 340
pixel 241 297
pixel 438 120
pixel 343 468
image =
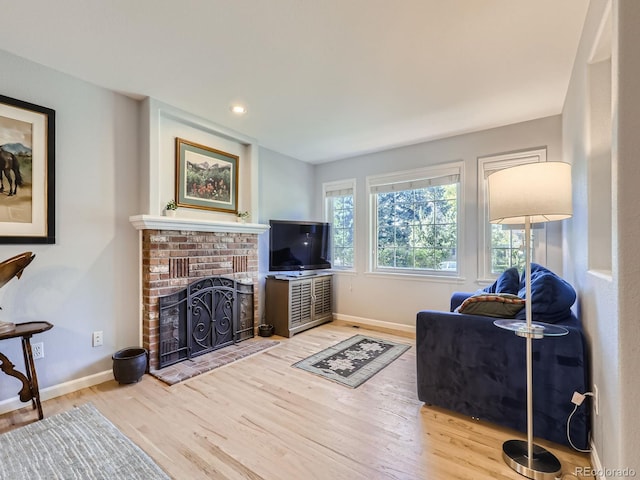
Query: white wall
pixel 397 299
pixel 608 302
pixel 89 279
pixel 160 125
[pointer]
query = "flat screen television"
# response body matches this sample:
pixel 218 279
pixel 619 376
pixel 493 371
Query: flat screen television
pixel 298 246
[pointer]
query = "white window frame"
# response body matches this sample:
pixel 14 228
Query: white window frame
pixel 407 177
pixel 487 165
pixel 347 186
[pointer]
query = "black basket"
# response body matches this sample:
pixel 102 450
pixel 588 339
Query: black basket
pixel 265 330
pixel 129 364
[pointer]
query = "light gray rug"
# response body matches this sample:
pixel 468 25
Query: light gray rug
pixel 353 361
pixel 79 444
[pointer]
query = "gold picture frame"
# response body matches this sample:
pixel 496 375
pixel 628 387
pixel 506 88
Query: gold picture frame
pixel 206 178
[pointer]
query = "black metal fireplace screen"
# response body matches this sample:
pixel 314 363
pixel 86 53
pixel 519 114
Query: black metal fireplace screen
pixel 208 314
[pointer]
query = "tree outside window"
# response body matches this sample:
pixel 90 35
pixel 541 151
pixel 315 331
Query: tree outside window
pixel 417 229
pixel 507 249
pixel 505 244
pixel 340 212
pixel 342 230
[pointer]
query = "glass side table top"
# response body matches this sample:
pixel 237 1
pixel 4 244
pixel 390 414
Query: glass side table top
pixel 537 330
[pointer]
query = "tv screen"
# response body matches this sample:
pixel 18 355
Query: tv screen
pixel 295 245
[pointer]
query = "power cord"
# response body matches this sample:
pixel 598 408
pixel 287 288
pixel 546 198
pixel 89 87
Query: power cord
pixel 577 400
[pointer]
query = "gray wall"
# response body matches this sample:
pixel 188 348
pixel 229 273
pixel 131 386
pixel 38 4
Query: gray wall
pixel 625 150
pixel 394 298
pixel 286 192
pixel 89 279
pixel 608 300
pixel 286 188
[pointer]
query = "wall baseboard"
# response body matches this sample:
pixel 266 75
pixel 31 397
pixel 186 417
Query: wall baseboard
pixel 54 391
pixel 595 462
pixel 379 325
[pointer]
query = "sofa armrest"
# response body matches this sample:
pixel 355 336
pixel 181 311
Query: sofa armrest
pixel 457 298
pixel 467 364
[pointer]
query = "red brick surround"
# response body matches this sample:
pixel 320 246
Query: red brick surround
pixel 171 259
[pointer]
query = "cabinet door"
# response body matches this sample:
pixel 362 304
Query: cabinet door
pixel 300 306
pixel 322 297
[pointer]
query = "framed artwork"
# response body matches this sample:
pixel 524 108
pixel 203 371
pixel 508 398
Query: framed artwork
pixel 27 172
pixel 206 178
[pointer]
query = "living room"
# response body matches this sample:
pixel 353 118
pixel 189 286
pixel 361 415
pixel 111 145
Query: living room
pixel 89 279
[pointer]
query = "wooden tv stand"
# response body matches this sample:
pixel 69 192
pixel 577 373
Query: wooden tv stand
pixel 297 303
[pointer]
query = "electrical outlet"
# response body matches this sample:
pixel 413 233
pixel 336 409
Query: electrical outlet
pixel 37 349
pixel 97 339
pixel 596 400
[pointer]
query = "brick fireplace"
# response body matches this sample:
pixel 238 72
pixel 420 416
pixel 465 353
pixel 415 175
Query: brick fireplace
pixel 175 252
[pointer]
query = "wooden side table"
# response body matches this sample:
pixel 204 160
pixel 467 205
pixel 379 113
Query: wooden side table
pixel 29 390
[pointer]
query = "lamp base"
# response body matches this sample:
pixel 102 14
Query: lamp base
pixel 545 466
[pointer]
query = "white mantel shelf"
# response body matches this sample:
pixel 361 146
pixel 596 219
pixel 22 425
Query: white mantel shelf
pixel 153 222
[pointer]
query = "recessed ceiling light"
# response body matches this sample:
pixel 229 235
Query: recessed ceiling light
pixel 238 109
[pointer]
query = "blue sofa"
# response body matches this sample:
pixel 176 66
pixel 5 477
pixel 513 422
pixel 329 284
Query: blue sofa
pixel 467 364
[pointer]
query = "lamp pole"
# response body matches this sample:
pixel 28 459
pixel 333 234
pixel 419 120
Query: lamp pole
pixel 529 340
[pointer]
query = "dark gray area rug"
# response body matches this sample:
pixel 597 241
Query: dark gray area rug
pixel 353 361
pixel 79 444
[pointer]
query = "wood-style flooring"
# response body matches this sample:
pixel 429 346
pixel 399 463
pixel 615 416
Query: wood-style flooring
pixel 259 418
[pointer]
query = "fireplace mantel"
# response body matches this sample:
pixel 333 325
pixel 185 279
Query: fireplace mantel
pixel 154 222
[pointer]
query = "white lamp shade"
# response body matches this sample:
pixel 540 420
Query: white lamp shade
pixel 540 191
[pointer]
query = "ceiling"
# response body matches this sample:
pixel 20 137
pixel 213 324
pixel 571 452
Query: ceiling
pixel 322 79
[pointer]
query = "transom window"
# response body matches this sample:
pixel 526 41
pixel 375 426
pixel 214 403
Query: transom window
pixel 415 221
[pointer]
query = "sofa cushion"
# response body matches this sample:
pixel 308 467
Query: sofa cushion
pixel 507 282
pixel 551 296
pixel 501 305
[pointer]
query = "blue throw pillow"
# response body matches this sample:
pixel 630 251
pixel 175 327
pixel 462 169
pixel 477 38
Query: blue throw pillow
pixel 551 296
pixel 507 282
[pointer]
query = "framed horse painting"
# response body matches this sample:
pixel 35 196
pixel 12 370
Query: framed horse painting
pixel 27 160
pixel 206 178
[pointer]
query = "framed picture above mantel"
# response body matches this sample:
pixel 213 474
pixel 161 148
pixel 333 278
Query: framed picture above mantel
pixel 206 178
pixel 27 172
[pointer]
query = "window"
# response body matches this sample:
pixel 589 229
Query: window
pixel 502 246
pixel 340 212
pixel 415 221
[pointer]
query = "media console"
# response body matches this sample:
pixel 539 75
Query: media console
pixel 297 303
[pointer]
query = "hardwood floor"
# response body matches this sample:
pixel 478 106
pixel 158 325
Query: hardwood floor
pixel 259 418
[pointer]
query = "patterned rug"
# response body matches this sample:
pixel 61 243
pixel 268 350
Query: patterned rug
pixel 78 444
pixel 353 361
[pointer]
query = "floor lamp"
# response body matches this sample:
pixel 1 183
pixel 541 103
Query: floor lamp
pixel 527 194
